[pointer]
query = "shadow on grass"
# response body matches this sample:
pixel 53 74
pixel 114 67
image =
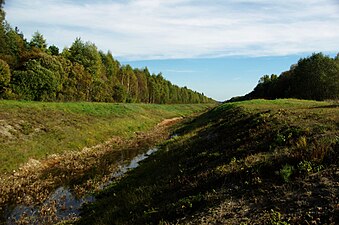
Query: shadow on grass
pixel 332 106
pixel 241 165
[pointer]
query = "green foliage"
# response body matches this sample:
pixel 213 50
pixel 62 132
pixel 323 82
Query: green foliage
pixel 55 127
pixel 100 92
pixel 12 45
pixel 38 41
pixel 309 167
pixel 119 93
pixel 35 82
pixel 2 13
pixel 276 218
pixel 315 77
pixel 189 202
pixel 2 18
pixel 302 143
pixel 77 84
pixel 5 76
pixel 280 139
pixel 53 50
pixel 80 73
pixel 286 172
pixel 86 54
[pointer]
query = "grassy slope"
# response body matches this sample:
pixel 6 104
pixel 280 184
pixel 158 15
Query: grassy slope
pixel 254 162
pixel 37 129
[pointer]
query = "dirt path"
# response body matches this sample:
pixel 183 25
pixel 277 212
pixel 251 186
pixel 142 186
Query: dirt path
pixel 168 122
pixel 83 172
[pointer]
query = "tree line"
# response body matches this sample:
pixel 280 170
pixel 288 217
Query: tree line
pixel 32 70
pixel 315 78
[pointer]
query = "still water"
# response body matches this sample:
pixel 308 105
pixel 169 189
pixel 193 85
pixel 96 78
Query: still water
pixel 62 204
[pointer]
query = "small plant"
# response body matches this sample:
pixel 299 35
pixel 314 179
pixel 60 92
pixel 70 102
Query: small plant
pixel 189 202
pixel 305 166
pixel 321 149
pixel 26 128
pixel 275 218
pixel 302 143
pixel 286 172
pixel 301 148
pixel 163 222
pixel 280 139
pixel 309 167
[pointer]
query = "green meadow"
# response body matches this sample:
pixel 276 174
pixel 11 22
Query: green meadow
pixel 38 129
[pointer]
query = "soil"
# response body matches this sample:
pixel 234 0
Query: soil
pixel 313 200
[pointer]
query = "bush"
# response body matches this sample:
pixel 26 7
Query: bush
pixel 286 172
pixel 35 82
pixel 119 93
pixel 5 76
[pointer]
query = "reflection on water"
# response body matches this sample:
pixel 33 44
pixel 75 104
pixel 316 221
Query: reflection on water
pixel 62 204
pixel 133 163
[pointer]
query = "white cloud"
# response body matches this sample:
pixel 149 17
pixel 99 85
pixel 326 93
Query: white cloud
pixel 146 29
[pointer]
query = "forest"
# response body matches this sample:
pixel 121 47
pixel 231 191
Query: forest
pixel 314 78
pixel 32 70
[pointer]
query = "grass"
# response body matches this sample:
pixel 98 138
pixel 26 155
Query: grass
pixel 35 130
pixel 252 162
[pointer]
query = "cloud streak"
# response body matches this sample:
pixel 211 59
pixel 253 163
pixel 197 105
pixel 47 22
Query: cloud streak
pixel 156 29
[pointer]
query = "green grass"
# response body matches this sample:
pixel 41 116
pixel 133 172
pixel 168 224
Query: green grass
pixel 252 162
pixel 38 129
pixel 278 103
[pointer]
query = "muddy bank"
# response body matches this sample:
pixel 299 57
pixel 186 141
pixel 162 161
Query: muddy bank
pixel 72 177
pixel 63 203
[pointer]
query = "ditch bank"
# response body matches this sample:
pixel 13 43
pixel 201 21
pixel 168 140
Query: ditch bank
pixel 255 162
pixel 54 189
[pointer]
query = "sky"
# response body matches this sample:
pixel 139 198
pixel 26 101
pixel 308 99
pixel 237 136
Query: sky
pixel 219 47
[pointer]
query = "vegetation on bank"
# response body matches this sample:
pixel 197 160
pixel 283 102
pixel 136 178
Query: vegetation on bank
pixel 32 70
pixel 53 187
pixel 251 162
pixel 315 77
pixel 39 129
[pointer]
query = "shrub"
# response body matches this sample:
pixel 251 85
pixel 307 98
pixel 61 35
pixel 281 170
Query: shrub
pixel 5 76
pixel 286 172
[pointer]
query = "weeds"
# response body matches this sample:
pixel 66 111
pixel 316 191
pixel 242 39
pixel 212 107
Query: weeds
pixel 276 218
pixel 83 171
pixel 309 167
pixel 221 169
pixel 286 172
pixel 26 128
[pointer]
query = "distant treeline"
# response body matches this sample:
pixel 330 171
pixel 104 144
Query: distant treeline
pixel 31 70
pixel 315 77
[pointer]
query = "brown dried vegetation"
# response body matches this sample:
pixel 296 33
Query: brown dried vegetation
pixel 84 172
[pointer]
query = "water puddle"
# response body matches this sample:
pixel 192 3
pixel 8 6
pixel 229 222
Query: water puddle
pixel 174 136
pixel 62 204
pixel 134 163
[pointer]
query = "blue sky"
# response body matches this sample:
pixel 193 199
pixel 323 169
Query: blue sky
pixel 219 47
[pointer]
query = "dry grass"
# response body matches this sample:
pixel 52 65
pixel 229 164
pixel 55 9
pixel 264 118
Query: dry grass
pixel 83 171
pixel 255 162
